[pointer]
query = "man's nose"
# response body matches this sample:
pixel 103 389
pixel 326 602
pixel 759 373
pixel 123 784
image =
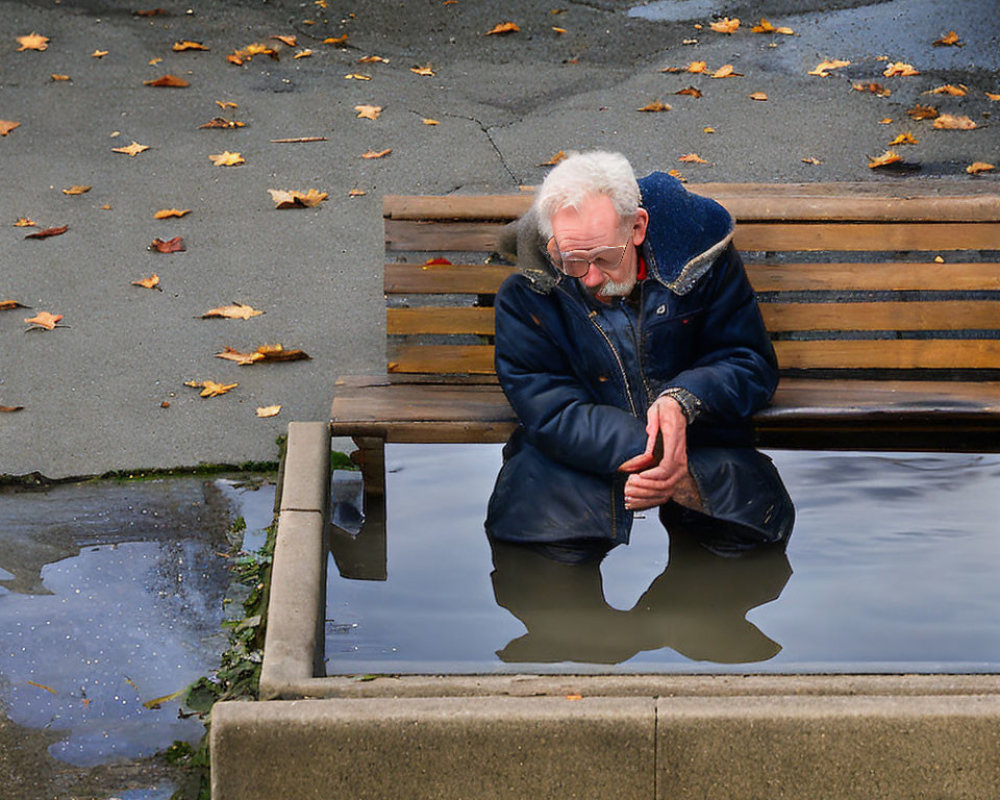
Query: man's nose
pixel 594 276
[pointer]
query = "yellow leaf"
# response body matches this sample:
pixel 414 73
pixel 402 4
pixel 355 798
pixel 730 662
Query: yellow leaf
pixel 725 25
pixel 953 122
pixel 73 190
pixel 758 96
pixel 368 112
pixel 297 199
pixel 692 158
pixel 132 150
pixel 242 359
pixel 155 703
pixel 24 222
pixel 823 68
pixel 167 213
pixel 888 157
pixel 99 54
pixel 560 31
pixel 154 61
pixel 357 76
pixel 979 166
pixel 369 154
pixel 224 104
pixel 429 121
pixel 32 41
pixel 676 174
pixel 180 47
pixel 227 159
pixel 268 411
pixel 425 70
pixel 903 138
pixel 708 129
pixel 152 282
pixel 898 68
pixel 886 121
pixel 233 311
pixel 656 105
pixel 49 689
pixel 57 77
pixel 697 67
pixel 211 388
pixel 357 193
pixel 503 27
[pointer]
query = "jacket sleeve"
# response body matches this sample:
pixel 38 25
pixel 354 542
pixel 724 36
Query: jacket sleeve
pixel 559 414
pixel 735 371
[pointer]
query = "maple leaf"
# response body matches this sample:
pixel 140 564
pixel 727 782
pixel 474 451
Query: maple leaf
pixel 296 199
pixel 6 126
pixel 822 69
pixel 898 68
pixel 373 60
pixel 875 88
pixel 767 27
pixel 222 122
pixel 268 411
pixel 726 71
pixel 10 305
pixel 33 41
pixel 24 222
pixel 903 138
pixel 424 70
pixel 175 245
pixel 132 150
pixel 690 90
pixel 503 27
pixel 888 157
pixel 232 311
pixel 44 319
pixel 692 158
pixel 227 159
pixel 554 160
pixel 167 213
pixel 45 234
pixel 73 190
pixel 954 122
pixel 291 41
pixel 376 153
pixel 211 388
pixel 152 282
pixel 949 88
pixel 758 96
pixel 922 112
pixel 656 105
pixel 168 81
pixel 180 47
pixel 725 25
pixel 949 39
pixel 302 54
pixel 979 166
pixel 368 112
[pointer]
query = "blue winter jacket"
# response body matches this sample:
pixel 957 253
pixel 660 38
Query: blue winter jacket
pixel 580 375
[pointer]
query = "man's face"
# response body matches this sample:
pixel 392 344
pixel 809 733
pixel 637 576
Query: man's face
pixel 585 231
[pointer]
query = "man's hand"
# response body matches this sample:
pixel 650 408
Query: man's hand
pixel 657 473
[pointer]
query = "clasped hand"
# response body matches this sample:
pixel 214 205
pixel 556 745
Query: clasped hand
pixel 657 473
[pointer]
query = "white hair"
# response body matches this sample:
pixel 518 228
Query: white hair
pixel 581 175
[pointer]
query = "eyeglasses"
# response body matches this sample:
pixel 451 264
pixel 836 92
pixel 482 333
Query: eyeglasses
pixel 576 263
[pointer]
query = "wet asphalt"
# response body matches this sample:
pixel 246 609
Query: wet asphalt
pixel 106 391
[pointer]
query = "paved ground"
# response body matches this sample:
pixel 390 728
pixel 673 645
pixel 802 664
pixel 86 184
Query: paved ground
pixel 93 392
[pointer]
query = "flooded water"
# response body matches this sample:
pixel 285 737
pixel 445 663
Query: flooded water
pixel 892 567
pixel 111 596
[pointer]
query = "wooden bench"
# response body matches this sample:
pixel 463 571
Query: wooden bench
pixel 883 303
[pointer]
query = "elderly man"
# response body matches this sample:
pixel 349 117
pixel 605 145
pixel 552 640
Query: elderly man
pixel 631 348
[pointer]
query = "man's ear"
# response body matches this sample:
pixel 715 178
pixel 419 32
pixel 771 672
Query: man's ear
pixel 639 226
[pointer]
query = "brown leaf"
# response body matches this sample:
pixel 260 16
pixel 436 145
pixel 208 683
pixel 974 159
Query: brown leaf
pixel 697 67
pixel 692 158
pixel 222 122
pixel 376 153
pixel 875 88
pixel 10 409
pixel 979 166
pixel 268 411
pixel 32 41
pixel 152 12
pixel 10 305
pixel 6 126
pixel 45 234
pixel 368 112
pixel 227 159
pixel 922 112
pixel 822 69
pixel 233 311
pixel 44 319
pixel 949 88
pixel 726 71
pixel 424 70
pixel 691 90
pixel 949 39
pixel 74 190
pixel 211 388
pixel 656 105
pixel 167 213
pixel 132 150
pixel 298 140
pixel 725 25
pixel 953 122
pixel 175 245
pixel 554 160
pixel 152 282
pixel 503 27
pixel 168 81
pixel 296 199
pixel 180 47
pixel 888 157
pixel 898 68
pixel 243 359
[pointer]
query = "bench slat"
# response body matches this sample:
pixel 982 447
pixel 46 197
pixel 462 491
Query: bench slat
pixel 940 315
pixel 884 276
pixel 447 278
pixel 439 320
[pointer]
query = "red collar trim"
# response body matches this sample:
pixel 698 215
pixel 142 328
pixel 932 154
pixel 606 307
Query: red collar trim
pixel 641 274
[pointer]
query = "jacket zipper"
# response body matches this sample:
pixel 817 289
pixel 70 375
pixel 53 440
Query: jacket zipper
pixel 592 316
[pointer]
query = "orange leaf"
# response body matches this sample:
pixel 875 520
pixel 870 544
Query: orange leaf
pixel 32 41
pixel 373 60
pixel 24 222
pixel 503 27
pixel 291 41
pixel 357 193
pixel 224 104
pixel 45 234
pixel 11 409
pixel 708 129
pixel 885 121
pixel 811 160
pixel 949 39
pixel 697 67
pixel 43 686
pixel 993 96
pixel 425 70
pixel 574 697
pixel 167 213
pixel 822 69
pixel 758 96
pixel 152 282
pixel 132 150
pixel 725 25
pixel 74 190
pixel 242 359
pixel 268 411
pixel 692 158
pixel 949 88
pixel 302 54
pixel 368 112
pixel 922 112
pixel 169 81
pixel 175 245
pixel 59 77
pixel 227 159
pixel 898 68
pixel 44 319
pixel 180 47
pixel 99 54
pixel 10 305
pixel 767 27
pixel 875 88
pixel 953 122
pixel 979 166
pixel 656 105
pixel 726 71
pixel 211 388
pixel 903 138
pixel 429 121
pixel 690 91
pixel 233 311
pixel 336 40
pixel 888 157
pixel 6 126
pixel 376 153
pixel 554 160
pixel 676 174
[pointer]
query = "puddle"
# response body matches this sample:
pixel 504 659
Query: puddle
pixel 891 568
pixel 111 596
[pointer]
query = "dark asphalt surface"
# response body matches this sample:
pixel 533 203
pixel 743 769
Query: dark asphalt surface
pixel 93 392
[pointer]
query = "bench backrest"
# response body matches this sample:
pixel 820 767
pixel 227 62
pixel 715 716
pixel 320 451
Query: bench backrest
pixel 852 279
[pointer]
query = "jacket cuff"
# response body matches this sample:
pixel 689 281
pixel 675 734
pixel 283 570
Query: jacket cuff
pixel 690 404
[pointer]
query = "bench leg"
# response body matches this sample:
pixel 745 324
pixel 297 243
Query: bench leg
pixel 363 556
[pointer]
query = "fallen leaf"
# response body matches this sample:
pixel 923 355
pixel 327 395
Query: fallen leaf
pixel 953 122
pixel 656 105
pixel 373 60
pixel 243 359
pixel 132 150
pixel 298 140
pixel 73 190
pixel 153 12
pixel 949 88
pixel 875 88
pixel 357 193
pixel 106 207
pixel 159 701
pixel 227 159
pixel 10 409
pixel 59 77
pixel 33 41
pixel 336 40
pixel 152 282
pixel 903 138
pixel 44 319
pixel 291 41
pixel 6 126
pixel 767 27
pixel 993 96
pixel 949 39
pixel 168 81
pixel 167 213
pixel 560 31
pixel 211 388
pixel 692 91
pixel 376 153
pixel 503 27
pixel 10 305
pixel 297 199
pixel 725 25
pixel 224 104
pixel 165 404
pixel 811 160
pixel 43 686
pixel 368 112
pixel 302 54
pixel 424 70
pixel 233 311
pixel 979 166
pixel 268 411
pixel 554 160
pixel 175 245
pixel 266 352
pixel 222 122
pixel 99 53
pixel 574 697
pixel 898 68
pixel 885 121
pixel 708 129
pixel 922 112
pixel 692 158
pixel 357 76
pixel 888 157
pixel 822 69
pixel 237 57
pixel 758 96
pixel 45 234
pixel 726 71
pixel 938 260
pixel 676 174
pixel 429 121
pixel 24 222
pixel 697 67
pixel 154 61
pixel 180 47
